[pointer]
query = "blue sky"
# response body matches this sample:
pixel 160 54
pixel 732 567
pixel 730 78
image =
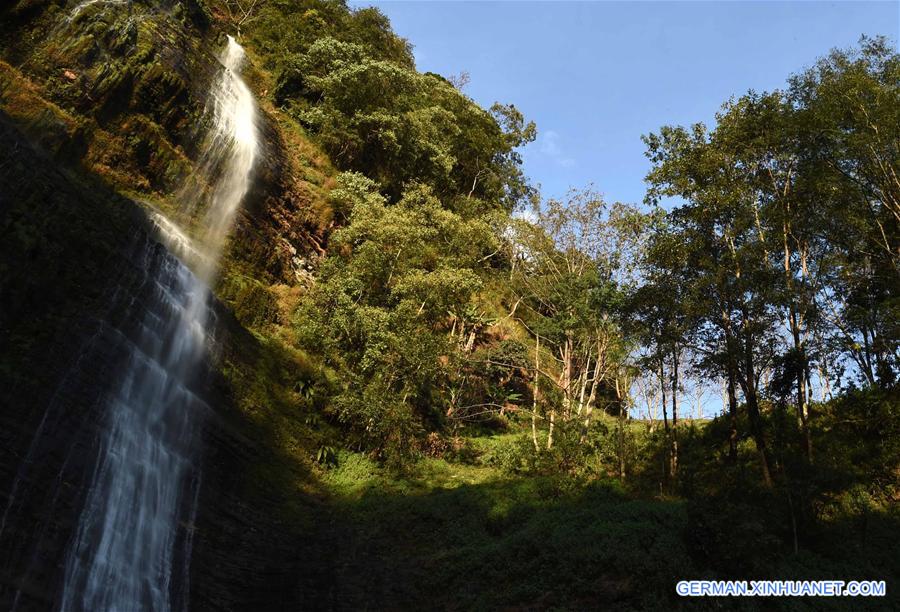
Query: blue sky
pixel 595 76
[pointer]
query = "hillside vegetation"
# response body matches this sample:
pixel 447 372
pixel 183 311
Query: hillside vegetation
pixel 428 377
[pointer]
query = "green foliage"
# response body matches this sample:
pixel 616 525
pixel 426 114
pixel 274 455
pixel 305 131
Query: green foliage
pixel 326 455
pixel 380 310
pixel 352 188
pixel 557 540
pixel 375 114
pixel 860 434
pixel 788 207
pixel 491 378
pixel 381 419
pixel 848 112
pixel 251 301
pixel 511 454
pixel 285 27
pixel 734 532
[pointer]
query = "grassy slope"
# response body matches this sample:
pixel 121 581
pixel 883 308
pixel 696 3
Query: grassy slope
pixel 469 534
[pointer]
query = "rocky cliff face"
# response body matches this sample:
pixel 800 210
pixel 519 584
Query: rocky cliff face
pixel 59 344
pixel 71 301
pixel 95 102
pixel 119 89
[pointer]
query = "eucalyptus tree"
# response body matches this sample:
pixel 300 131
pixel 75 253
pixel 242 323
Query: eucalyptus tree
pixel 848 112
pixel 574 260
pixel 659 316
pixel 726 262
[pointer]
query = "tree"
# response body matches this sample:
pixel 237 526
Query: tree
pixel 571 261
pixel 848 109
pixel 659 316
pixel 380 311
pixel 727 261
pixel 760 134
pixel 387 121
pixel 242 12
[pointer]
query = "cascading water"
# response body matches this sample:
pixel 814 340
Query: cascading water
pixel 128 552
pixel 233 149
pixel 87 3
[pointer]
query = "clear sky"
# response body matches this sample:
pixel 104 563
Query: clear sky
pixel 595 76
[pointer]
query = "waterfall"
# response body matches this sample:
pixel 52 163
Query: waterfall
pixel 131 548
pixel 232 147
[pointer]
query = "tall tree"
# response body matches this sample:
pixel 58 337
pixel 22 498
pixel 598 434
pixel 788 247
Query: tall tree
pixel 573 259
pixel 848 108
pixel 726 259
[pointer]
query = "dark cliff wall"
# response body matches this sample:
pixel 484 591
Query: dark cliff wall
pixel 67 271
pixel 73 279
pixel 113 102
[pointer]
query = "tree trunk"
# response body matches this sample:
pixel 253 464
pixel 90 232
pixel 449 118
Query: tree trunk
pixel 470 343
pixel 732 415
pixel 534 392
pixel 825 393
pixel 592 396
pixel 674 441
pixel 582 385
pixel 800 353
pixel 732 372
pixel 750 395
pixel 795 315
pixel 758 435
pixel 668 431
pixel 550 430
pixel 623 414
pixel 565 376
pixel 868 370
pixel 803 377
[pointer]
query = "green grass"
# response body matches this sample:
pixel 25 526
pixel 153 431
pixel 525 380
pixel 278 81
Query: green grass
pixel 465 533
pixel 356 475
pixel 454 536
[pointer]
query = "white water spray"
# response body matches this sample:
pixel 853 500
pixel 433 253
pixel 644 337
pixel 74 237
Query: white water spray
pixel 177 241
pixel 88 3
pixel 233 146
pixel 128 553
